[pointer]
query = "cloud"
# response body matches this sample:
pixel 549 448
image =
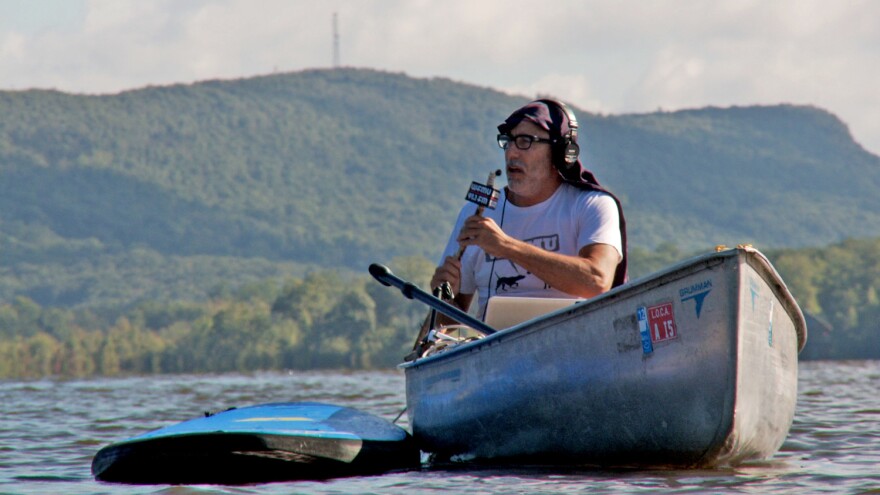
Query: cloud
pixel 574 89
pixel 804 52
pixel 12 46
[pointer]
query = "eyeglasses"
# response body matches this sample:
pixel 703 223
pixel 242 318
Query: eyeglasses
pixel 522 141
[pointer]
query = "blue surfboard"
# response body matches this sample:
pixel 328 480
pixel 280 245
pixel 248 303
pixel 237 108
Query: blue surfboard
pixel 263 443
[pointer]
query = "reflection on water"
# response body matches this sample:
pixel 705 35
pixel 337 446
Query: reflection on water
pixel 49 431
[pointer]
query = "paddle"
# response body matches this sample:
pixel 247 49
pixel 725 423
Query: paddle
pixel 411 291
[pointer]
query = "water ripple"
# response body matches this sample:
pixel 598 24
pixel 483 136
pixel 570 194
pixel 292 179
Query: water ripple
pixel 49 431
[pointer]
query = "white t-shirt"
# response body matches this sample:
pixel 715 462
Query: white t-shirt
pixel 566 222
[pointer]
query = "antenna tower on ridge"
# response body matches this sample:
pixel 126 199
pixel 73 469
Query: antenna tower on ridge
pixel 335 41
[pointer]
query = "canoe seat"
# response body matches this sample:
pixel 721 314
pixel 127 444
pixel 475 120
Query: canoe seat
pixel 504 312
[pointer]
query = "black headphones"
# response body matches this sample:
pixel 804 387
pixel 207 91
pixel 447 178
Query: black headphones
pixel 566 152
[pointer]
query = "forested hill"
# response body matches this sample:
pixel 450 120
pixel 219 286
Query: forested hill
pixel 166 191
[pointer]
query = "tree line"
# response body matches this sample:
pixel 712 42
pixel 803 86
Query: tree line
pixel 322 320
pixel 837 287
pixel 328 168
pixel 329 320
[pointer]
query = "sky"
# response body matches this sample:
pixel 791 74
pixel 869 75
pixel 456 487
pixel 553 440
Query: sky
pixel 602 56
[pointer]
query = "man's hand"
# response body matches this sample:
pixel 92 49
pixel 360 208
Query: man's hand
pixel 449 271
pixel 484 233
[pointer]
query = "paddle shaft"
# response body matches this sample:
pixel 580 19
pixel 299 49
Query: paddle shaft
pixel 411 291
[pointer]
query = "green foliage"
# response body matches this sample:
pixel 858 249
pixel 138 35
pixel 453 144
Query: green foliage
pixel 226 225
pixel 838 286
pixel 327 320
pixel 293 167
pixel 324 320
pixel 174 193
pixel 643 262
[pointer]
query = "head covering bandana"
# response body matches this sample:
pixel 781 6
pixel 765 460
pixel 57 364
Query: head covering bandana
pixel 551 117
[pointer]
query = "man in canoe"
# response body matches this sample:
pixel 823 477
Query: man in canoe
pixel 555 231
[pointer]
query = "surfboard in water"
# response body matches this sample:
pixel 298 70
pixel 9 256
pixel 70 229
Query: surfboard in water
pixel 263 443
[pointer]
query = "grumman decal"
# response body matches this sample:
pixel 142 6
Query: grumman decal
pixel 755 289
pixel 698 293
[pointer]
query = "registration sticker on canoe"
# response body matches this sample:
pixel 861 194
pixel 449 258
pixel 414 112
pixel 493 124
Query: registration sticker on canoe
pixel 645 334
pixel 661 323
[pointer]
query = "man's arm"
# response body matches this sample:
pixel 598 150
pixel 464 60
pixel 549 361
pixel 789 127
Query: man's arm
pixel 586 275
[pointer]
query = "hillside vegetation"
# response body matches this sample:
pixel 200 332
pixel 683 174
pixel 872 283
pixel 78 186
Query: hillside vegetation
pixel 166 193
pixel 227 225
pixel 327 321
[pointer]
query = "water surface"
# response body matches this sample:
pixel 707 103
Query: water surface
pixel 50 429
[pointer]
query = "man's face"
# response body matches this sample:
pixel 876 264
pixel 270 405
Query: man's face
pixel 530 173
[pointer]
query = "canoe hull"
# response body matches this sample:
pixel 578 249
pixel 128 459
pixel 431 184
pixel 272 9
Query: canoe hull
pixel 577 386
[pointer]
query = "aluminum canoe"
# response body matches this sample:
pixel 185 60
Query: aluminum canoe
pixel 695 365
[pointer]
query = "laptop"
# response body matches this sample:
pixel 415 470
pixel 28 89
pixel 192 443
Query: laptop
pixel 504 312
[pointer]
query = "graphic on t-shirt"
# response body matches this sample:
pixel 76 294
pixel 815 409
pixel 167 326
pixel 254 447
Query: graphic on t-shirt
pixel 508 280
pixel 505 283
pixel 546 242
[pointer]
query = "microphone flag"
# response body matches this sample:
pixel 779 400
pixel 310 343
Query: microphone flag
pixel 483 195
